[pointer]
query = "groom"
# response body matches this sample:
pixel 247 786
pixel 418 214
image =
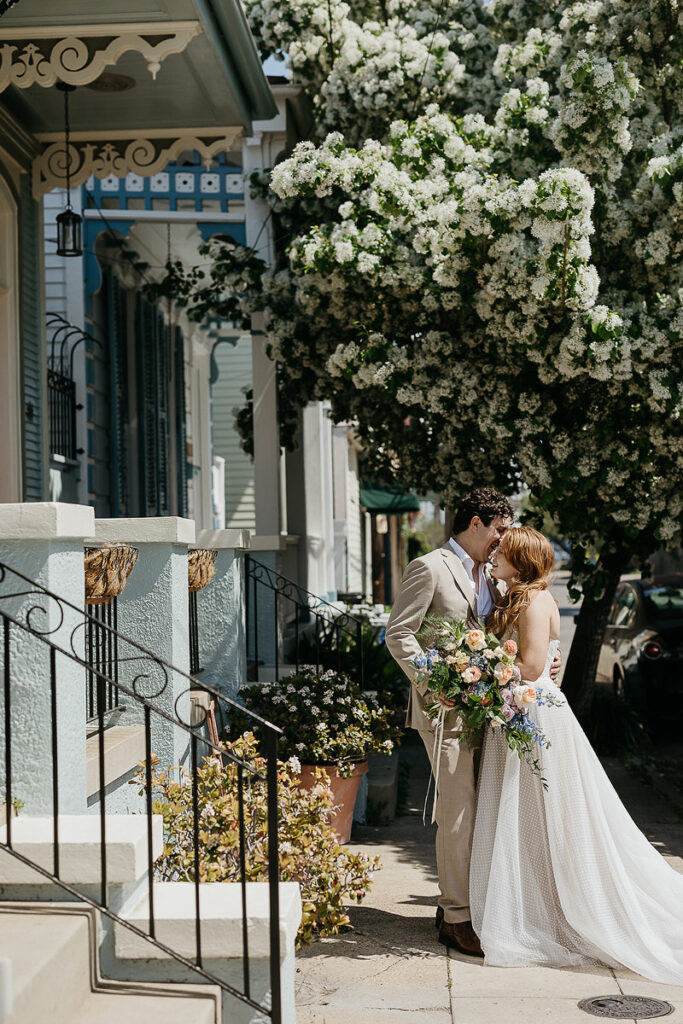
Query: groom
pixel 453 581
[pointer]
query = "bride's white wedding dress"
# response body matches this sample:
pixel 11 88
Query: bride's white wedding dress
pixel 563 876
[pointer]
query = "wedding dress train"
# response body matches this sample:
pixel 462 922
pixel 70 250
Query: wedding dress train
pixel 563 876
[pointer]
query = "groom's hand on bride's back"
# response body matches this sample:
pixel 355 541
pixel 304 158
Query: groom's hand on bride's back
pixel 556 666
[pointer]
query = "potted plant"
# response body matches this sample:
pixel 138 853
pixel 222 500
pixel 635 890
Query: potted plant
pixel 330 723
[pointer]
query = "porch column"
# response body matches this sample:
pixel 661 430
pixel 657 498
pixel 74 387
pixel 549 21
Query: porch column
pixel 221 612
pixel 44 542
pixel 153 611
pixel 317 445
pixel 267 492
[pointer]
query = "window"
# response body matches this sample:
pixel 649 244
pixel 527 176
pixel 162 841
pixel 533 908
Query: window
pixel 622 612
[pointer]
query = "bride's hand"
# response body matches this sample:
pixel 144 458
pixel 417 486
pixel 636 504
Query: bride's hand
pixel 555 667
pixel 447 704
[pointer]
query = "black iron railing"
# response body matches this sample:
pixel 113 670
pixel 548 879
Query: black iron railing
pixel 51 629
pixel 195 668
pixel 64 339
pixel 102 658
pixel 287 624
pixel 61 392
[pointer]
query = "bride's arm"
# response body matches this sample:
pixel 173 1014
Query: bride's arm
pixel 534 636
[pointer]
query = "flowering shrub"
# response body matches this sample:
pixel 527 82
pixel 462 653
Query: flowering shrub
pixel 325 717
pixel 485 256
pixel 329 875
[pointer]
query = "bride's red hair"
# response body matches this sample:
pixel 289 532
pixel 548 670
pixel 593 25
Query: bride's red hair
pixel 532 556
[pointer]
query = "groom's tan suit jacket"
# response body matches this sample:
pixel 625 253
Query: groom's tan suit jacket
pixel 437 584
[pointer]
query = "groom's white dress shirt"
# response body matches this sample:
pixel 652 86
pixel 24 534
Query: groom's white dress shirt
pixel 484 599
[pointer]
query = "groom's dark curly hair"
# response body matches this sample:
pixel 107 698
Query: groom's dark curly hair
pixel 484 502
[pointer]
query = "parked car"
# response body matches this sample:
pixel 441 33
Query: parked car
pixel 642 652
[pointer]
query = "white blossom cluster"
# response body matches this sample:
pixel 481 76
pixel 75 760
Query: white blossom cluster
pixel 591 128
pixel 485 268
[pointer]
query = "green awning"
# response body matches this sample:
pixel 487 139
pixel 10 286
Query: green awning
pixel 387 498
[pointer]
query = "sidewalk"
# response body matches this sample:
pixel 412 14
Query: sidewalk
pixel 391 969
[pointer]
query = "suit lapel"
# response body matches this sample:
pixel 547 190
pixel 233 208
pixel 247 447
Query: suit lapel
pixel 460 577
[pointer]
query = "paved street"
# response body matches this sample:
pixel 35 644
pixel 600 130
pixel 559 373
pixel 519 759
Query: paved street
pixel 391 969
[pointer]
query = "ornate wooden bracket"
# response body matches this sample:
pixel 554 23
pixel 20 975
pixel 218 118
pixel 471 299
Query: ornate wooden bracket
pixel 44 56
pixel 121 152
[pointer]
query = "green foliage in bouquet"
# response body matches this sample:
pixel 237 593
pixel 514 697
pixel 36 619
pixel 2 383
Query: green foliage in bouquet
pixel 325 717
pixel 459 663
pixel 329 875
pixel 477 675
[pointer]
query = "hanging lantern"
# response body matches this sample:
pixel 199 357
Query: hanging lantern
pixel 69 223
pixel 69 234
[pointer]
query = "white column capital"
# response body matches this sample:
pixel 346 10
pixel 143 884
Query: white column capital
pixel 236 540
pixel 46 520
pixel 152 530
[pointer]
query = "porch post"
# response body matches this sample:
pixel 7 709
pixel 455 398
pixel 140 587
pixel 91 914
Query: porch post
pixel 221 612
pixel 153 611
pixel 44 542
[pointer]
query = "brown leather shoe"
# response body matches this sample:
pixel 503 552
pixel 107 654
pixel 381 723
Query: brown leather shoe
pixel 461 937
pixel 438 921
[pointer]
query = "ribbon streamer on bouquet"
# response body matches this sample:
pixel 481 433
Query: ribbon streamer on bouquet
pixel 436 764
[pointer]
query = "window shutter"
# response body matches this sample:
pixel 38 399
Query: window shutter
pixel 153 407
pixel 181 422
pixel 118 383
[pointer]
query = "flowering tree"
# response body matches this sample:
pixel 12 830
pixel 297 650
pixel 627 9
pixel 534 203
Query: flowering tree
pixel 484 260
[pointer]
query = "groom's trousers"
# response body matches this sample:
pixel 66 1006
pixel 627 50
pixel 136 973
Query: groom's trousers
pixel 455 813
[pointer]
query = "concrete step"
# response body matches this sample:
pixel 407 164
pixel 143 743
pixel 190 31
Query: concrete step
pixel 79 848
pixel 220 906
pixel 54 975
pixel 154 1007
pixel 49 958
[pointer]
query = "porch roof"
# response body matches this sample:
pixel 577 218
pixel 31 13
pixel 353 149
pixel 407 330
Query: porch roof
pixel 191 64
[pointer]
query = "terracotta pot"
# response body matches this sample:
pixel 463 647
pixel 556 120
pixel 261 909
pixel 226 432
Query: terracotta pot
pixel 344 791
pixel 106 570
pixel 201 567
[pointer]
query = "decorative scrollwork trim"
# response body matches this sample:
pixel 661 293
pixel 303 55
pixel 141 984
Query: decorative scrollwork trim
pixel 80 57
pixel 122 153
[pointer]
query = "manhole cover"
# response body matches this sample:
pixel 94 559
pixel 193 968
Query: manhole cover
pixel 625 1007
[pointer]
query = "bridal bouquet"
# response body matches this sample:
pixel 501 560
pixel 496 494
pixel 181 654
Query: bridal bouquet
pixel 471 669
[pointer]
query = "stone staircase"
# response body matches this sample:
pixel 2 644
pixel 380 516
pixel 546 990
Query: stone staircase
pixel 54 975
pixel 84 967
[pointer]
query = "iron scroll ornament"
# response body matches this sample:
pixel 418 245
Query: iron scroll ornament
pixel 321 608
pixel 33 589
pixel 152 666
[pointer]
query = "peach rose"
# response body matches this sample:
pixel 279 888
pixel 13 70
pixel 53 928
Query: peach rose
pixel 471 674
pixel 524 696
pixel 503 673
pixel 475 640
pixel 510 647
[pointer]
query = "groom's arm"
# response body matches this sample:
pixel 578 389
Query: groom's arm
pixel 410 607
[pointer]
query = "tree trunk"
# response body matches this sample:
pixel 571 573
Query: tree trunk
pixel 579 677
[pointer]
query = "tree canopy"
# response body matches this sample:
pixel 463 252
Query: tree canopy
pixel 481 252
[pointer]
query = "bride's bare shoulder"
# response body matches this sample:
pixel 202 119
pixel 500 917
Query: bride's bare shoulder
pixel 541 606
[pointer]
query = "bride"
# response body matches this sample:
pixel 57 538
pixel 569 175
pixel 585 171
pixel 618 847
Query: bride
pixel 561 876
